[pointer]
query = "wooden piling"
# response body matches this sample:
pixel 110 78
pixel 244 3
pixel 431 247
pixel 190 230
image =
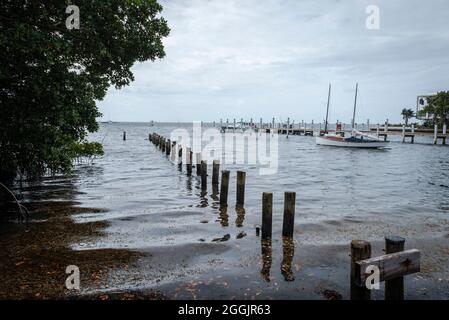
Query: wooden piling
pixel 224 187
pixel 168 147
pixel 189 162
pixel 173 152
pixel 203 175
pixel 124 135
pixel 394 289
pixel 215 172
pixel 289 214
pixel 403 133
pixel 180 155
pixel 198 164
pixel 435 134
pixel 360 250
pixel 267 215
pixel 241 178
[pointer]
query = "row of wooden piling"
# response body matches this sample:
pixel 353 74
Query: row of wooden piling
pixel 267 214
pixel 360 250
pixel 165 145
pixel 201 170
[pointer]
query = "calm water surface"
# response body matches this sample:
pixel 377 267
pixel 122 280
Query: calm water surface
pixel 153 207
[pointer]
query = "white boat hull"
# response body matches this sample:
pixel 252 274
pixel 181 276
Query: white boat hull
pixel 347 144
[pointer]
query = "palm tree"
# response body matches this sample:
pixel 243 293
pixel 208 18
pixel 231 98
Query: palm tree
pixel 407 114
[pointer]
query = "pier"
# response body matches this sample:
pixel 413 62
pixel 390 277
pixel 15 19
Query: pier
pixel 408 133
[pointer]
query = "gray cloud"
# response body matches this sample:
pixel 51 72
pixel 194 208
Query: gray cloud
pixel 273 58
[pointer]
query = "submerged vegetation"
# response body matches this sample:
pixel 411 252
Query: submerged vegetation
pixel 51 76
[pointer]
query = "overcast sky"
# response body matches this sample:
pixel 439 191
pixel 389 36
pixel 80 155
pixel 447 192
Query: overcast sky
pixel 275 58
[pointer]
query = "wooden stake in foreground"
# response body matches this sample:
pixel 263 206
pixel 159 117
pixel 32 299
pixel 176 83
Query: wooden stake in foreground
pixel 198 164
pixel 215 172
pixel 394 289
pixel 224 188
pixel 241 177
pixel 267 215
pixel 289 214
pixel 203 175
pixel 360 250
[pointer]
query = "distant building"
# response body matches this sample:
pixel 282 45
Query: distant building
pixel 421 103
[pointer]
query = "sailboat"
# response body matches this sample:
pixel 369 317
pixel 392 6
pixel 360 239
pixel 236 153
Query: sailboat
pixel 357 139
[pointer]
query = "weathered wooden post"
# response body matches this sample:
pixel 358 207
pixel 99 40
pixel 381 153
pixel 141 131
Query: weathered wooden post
pixel 367 125
pixel 149 137
pixel 164 144
pixel 173 151
pixel 241 177
pixel 168 147
pixel 215 172
pixel 267 215
pixel 233 128
pixel 435 134
pixel 288 126
pixel 289 214
pixel 413 133
pixel 180 156
pixel 224 188
pixel 203 175
pixel 189 162
pixel 124 135
pixel 198 163
pixel 394 289
pixel 403 133
pixel 360 250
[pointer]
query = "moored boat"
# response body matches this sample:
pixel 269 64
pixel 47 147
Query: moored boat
pixel 357 139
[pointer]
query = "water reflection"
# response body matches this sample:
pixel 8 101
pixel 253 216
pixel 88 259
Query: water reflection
pixel 288 250
pixel 215 193
pixel 224 217
pixel 267 259
pixel 204 201
pixel 189 185
pixel 240 216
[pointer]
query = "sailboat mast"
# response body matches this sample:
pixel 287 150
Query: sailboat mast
pixel 327 111
pixel 355 106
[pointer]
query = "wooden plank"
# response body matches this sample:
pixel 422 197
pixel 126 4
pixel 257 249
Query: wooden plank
pixel 390 265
